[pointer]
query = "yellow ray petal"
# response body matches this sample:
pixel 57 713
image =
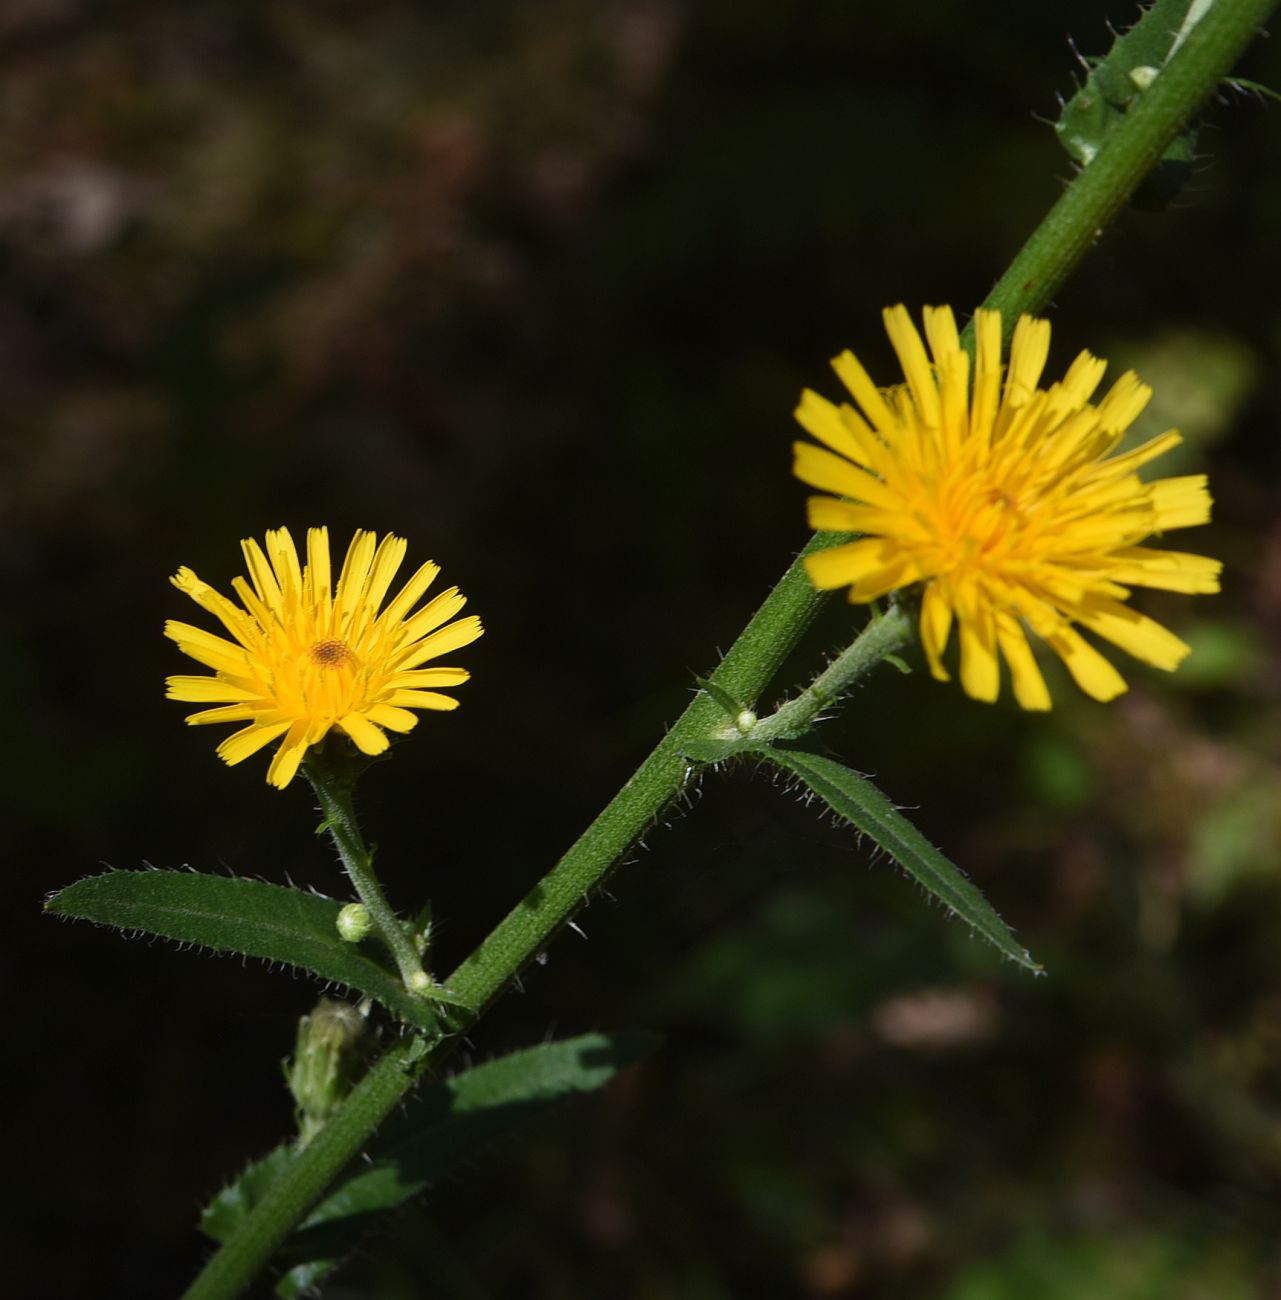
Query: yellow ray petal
pixel 1124 402
pixel 387 560
pixel 440 609
pixel 353 576
pixel 987 374
pixel 954 391
pixel 823 469
pixel 941 333
pixel 205 690
pixel 1129 461
pixel 264 581
pixel 1166 570
pixel 1030 689
pixel 849 370
pixel 394 719
pixel 1029 350
pixel 833 515
pixel 232 618
pixel 240 744
pixel 980 668
pixel 317 578
pixel 1135 633
pixel 369 738
pixel 852 563
pixel 227 713
pixel 422 700
pixel 916 365
pixel 287 759
pixel 283 555
pixel 1181 502
pixel 429 677
pixel 440 642
pixel 821 418
pixel 1083 376
pixel 206 648
pixel 936 627
pixel 1091 672
pixel 261 615
pixel 410 594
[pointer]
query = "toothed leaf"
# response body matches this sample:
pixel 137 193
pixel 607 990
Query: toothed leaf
pixel 856 800
pixel 253 917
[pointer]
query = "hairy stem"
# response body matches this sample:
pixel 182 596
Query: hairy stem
pixel 1098 193
pixel 881 637
pixel 334 1145
pixel 334 791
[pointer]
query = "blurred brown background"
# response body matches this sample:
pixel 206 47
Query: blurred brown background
pixel 537 286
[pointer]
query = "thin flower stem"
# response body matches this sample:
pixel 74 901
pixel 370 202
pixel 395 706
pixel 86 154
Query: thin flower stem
pixel 1058 244
pixel 880 637
pixel 335 795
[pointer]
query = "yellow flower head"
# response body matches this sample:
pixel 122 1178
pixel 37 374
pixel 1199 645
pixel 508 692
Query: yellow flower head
pixel 1004 500
pixel 307 656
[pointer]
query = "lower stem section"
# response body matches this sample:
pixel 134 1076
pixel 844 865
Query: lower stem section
pixel 305 1179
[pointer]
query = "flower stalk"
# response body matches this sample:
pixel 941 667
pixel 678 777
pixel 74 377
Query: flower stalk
pixel 335 791
pixel 882 636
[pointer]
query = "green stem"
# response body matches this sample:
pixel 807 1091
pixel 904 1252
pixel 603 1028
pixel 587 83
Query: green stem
pixel 335 794
pixel 744 673
pixel 310 1172
pixel 1058 244
pixel 1101 189
pixel 880 637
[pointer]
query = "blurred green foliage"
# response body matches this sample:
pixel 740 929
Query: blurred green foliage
pixel 537 286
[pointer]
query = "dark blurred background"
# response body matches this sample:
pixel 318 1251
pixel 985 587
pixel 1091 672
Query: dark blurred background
pixel 537 287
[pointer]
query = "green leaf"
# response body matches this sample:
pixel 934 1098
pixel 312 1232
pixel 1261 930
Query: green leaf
pixel 444 1124
pixel 1114 84
pixel 855 799
pixel 253 917
pixel 229 1209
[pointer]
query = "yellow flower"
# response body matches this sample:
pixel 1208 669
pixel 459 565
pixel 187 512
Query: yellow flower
pixel 307 657
pixel 1005 501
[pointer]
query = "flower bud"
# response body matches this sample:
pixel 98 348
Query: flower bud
pixel 328 1060
pixel 354 922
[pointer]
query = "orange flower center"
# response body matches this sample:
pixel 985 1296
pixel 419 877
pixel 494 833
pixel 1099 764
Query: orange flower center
pixel 330 654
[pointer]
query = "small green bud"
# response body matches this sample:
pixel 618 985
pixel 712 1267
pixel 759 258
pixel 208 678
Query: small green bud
pixel 745 721
pixel 1143 76
pixel 328 1060
pixel 354 922
pixel 420 982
